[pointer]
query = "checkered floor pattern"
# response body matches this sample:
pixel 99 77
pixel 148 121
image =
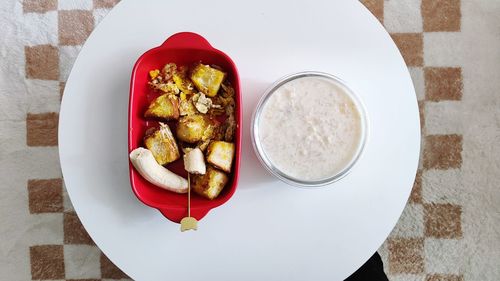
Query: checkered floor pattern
pixel 423 246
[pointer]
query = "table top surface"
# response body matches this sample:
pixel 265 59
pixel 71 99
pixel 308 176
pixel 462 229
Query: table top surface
pixel 268 230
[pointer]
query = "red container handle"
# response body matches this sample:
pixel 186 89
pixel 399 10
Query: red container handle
pixel 188 40
pixel 176 215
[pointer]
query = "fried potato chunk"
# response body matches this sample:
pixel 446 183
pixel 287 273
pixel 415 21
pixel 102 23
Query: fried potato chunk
pixel 182 81
pixel 162 144
pixel 221 154
pixel 165 107
pixel 186 106
pixel 195 128
pixel 207 79
pixel 210 184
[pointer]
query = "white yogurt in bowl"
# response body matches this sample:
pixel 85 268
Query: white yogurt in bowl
pixel 309 129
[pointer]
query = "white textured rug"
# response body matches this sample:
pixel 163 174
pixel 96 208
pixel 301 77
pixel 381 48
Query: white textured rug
pixel 449 231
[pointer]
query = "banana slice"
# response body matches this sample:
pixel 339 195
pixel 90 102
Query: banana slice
pixel 146 165
pixel 194 162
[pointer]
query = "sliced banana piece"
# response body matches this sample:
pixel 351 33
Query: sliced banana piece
pixel 194 162
pixel 146 165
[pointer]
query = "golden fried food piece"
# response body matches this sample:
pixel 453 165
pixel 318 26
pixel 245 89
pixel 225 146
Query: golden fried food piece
pixel 221 154
pixel 182 81
pixel 186 106
pixel 164 107
pixel 162 144
pixel 153 74
pixel 207 79
pixel 210 184
pixel 162 80
pixel 195 128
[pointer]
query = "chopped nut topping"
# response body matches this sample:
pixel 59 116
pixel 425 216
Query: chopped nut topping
pixel 202 103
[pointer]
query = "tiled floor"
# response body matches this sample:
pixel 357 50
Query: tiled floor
pixel 76 257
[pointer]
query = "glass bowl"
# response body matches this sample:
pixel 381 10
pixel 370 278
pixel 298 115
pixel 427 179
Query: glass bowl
pixel 266 161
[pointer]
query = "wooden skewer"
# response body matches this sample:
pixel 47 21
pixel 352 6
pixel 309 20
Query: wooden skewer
pixel 189 195
pixel 189 222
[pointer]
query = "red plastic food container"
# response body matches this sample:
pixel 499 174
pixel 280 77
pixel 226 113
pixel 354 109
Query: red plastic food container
pixel 184 48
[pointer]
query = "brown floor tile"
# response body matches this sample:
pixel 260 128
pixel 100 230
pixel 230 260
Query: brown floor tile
pixel 443 83
pixel 75 26
pixel 42 62
pixel 406 255
pixel 39 6
pixel 411 46
pixel 376 7
pixel 421 112
pixel 444 277
pixel 41 129
pixel 442 152
pixel 443 221
pixel 45 196
pixel 74 232
pixel 441 15
pixel 416 192
pixel 109 270
pixel 105 3
pixel 47 262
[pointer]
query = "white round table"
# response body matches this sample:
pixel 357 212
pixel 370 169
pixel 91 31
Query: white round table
pixel 268 230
